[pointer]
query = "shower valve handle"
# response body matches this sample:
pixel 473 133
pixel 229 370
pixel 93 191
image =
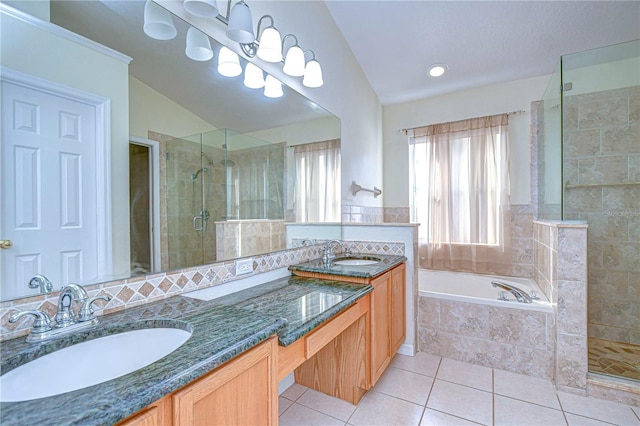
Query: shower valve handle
pixel 195 223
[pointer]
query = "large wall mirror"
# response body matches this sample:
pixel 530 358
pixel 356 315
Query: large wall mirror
pixel 191 167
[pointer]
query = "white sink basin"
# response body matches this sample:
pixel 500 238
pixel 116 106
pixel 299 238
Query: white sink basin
pixel 356 261
pixel 89 363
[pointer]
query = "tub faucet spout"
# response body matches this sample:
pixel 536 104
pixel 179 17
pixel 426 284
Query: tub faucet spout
pixel 520 295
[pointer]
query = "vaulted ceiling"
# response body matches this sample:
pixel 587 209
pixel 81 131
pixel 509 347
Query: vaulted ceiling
pixel 482 42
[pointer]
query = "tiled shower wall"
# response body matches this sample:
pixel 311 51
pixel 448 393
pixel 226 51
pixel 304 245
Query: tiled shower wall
pixel 602 186
pixel 561 273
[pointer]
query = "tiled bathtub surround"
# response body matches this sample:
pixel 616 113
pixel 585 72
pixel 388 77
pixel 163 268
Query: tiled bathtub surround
pixel 241 238
pixel 561 273
pixel 137 291
pixel 516 340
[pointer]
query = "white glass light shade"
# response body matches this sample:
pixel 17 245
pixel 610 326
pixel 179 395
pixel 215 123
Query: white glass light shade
pixel 253 76
pixel 240 27
pixel 272 87
pixel 313 74
pixel 270 49
pixel 294 62
pixel 228 63
pixel 198 46
pixel 157 22
pixel 203 8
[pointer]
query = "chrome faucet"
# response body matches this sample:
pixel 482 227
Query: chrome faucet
pixel 327 253
pixel 66 320
pixel 69 293
pixel 520 295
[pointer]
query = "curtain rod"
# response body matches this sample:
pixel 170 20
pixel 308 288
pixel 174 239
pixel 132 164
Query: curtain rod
pixel 406 131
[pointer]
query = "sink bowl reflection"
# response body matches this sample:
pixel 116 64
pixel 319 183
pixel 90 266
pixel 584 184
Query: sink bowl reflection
pixel 356 260
pixel 89 363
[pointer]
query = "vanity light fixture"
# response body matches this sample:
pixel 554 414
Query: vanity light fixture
pixel 198 45
pixel 312 72
pixel 294 60
pixel 253 76
pixel 270 44
pixel 438 70
pixel 272 87
pixel 240 24
pixel 202 8
pixel 157 22
pixel 228 63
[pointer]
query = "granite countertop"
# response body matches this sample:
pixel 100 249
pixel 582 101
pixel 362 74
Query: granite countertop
pixel 362 271
pixel 304 302
pixel 221 329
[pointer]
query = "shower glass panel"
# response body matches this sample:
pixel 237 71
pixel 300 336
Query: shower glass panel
pixel 187 177
pixel 601 184
pixel 213 178
pixel 550 152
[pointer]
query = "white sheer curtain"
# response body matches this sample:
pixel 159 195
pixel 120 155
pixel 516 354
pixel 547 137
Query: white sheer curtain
pixel 317 184
pixel 460 174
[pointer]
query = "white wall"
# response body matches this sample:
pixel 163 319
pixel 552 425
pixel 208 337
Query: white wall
pixel 488 100
pixel 150 110
pixel 346 92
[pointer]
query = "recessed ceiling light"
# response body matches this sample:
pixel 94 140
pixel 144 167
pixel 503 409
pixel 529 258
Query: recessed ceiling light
pixel 437 70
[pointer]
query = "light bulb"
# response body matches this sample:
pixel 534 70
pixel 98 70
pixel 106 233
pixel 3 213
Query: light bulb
pixel 253 76
pixel 228 63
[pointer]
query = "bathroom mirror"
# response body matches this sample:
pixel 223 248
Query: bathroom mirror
pixel 161 76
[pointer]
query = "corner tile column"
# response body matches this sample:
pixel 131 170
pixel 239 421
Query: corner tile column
pixel 572 362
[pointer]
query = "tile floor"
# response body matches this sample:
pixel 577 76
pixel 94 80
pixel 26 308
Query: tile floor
pixel 429 390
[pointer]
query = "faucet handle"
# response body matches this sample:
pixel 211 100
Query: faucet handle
pixel 86 312
pixel 41 324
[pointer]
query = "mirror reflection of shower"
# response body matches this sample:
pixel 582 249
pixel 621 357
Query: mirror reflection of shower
pixel 201 187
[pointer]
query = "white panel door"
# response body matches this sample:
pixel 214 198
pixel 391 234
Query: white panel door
pixel 48 189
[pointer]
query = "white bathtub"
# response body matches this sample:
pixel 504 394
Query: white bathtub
pixel 474 288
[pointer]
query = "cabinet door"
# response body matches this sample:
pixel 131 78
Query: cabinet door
pixel 380 321
pixel 241 392
pixel 398 318
pixel 156 414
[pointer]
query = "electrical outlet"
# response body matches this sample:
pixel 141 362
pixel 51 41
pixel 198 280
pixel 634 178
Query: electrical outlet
pixel 244 266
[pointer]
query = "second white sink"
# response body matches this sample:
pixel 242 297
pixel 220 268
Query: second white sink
pixel 89 363
pixel 356 261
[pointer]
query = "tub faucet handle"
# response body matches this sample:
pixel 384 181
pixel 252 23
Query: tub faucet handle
pixel 503 295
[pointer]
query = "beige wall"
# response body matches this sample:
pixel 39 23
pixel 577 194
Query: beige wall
pixel 488 100
pixel 150 110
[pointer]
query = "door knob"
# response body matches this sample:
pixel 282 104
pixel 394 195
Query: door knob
pixel 5 244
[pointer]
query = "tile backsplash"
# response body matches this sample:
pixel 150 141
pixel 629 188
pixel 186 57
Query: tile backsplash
pixel 144 289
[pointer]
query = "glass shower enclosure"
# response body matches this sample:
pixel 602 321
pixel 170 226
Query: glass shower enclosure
pixel 211 177
pixel 590 170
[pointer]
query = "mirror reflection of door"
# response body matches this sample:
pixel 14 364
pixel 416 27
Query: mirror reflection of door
pixel 49 158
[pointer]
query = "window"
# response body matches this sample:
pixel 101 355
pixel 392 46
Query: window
pixel 460 181
pixel 317 182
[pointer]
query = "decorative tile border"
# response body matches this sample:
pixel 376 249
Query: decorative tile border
pixel 140 290
pixel 136 291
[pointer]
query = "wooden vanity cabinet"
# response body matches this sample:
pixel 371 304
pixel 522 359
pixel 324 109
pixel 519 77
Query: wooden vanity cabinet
pixel 386 317
pixel 242 391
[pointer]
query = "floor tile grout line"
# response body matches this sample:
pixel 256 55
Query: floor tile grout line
pixel 526 401
pixel 466 386
pixel 452 415
pixel 322 412
pixel 397 397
